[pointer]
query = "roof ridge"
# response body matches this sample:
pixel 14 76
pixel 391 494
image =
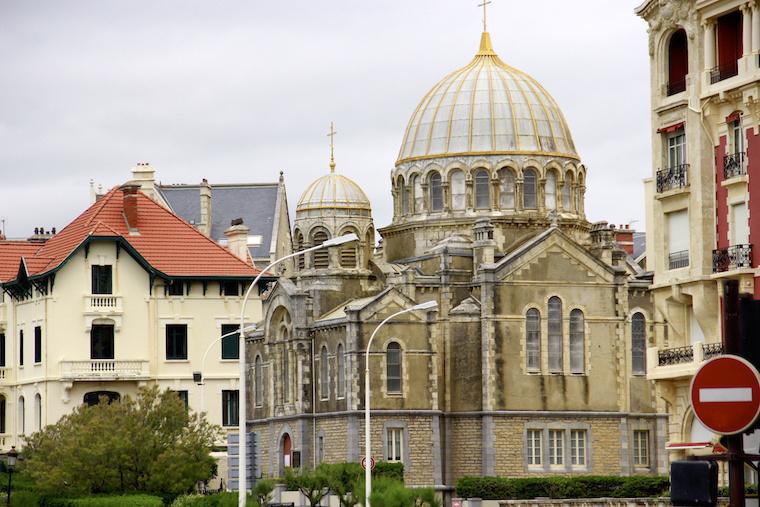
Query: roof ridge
pixel 98 205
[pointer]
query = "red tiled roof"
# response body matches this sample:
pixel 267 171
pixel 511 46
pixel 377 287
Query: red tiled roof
pixel 10 257
pixel 166 242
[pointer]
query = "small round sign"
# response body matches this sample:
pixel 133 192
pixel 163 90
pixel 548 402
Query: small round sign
pixel 371 463
pixel 725 394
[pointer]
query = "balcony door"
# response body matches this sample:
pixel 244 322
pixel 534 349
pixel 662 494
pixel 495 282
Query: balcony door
pixel 739 224
pixel 101 341
pixel 677 149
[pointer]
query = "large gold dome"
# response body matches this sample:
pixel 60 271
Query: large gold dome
pixel 486 107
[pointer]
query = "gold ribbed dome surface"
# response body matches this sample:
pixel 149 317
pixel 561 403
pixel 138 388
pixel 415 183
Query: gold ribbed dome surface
pixel 486 107
pixel 333 191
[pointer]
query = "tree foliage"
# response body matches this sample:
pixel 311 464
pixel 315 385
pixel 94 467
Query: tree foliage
pixel 312 484
pixel 147 444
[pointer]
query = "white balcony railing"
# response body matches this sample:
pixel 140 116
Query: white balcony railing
pixel 108 369
pixel 679 362
pixel 102 304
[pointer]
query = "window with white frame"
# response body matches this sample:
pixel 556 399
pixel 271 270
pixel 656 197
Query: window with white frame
pixel 578 448
pixel 394 445
pixel 556 447
pixel 555 335
pixel 577 342
pixel 393 367
pixel 534 447
pixel 736 135
pixel 638 344
pixel 533 340
pixel 677 149
pixel 641 448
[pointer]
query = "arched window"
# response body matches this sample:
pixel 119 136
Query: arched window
pixel 299 247
pixel 38 411
pixel 369 246
pixel 2 415
pixel 259 380
pixel 551 190
pixel 530 200
pixel 21 416
pixel 638 344
pixel 418 200
pixel 533 340
pixel 285 371
pixel 482 190
pixel 579 194
pixel 555 335
pixel 577 342
pixel 324 375
pixel 348 252
pixel 436 192
pixel 507 189
pixel 403 195
pixel 458 200
pixel 678 62
pixel 341 390
pixel 567 192
pixel 393 367
pixel 321 256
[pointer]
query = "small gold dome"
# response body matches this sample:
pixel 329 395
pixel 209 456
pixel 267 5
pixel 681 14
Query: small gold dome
pixel 486 107
pixel 334 192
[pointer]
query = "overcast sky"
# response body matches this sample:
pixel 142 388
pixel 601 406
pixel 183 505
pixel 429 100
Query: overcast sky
pixel 235 91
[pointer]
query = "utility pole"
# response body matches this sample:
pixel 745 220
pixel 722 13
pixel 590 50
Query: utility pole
pixel 732 345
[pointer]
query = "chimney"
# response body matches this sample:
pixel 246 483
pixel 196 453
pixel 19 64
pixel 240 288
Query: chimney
pixel 130 204
pixel 144 176
pixel 624 238
pixel 40 235
pixel 205 223
pixel 237 238
pixel 484 246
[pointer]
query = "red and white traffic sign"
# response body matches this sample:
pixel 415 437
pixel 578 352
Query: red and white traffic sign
pixel 725 394
pixel 371 463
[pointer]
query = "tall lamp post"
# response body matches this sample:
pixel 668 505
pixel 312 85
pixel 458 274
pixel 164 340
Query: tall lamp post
pixel 243 441
pixel 12 455
pixel 428 305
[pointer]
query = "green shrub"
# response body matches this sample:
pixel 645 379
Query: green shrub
pixel 392 493
pixel 229 499
pixel 588 486
pixel 393 471
pixel 24 499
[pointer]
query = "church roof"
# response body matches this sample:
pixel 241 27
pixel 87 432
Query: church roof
pixel 486 107
pixel 333 191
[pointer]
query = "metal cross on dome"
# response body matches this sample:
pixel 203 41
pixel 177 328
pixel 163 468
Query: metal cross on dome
pixel 331 135
pixel 484 5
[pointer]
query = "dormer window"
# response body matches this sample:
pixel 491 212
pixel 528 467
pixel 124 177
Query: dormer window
pixel 102 280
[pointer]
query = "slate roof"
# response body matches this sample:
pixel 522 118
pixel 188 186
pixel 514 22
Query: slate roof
pixel 639 244
pixel 254 203
pixel 163 240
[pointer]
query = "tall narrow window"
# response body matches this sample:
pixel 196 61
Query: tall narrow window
pixel 578 448
pixel 737 135
pixel 678 62
pixel 676 149
pixel 641 448
pixel 551 190
pixel 577 342
pixel 176 341
pixel 2 351
pixel 348 252
pixel 341 388
pixel 556 447
pixel 394 445
pixel 404 195
pixel 230 342
pixel 567 192
pixel 299 247
pixel 21 415
pixel 37 344
pixel 436 192
pixel 393 367
pixel 730 46
pixel 321 257
pixel 230 408
pixel 638 344
pixel 533 339
pixel 37 412
pixel 285 373
pixel 419 199
pixel 259 379
pixel 21 347
pixel 482 190
pixel 555 335
pixel 534 447
pixel 506 189
pixel 101 341
pixel 324 374
pixel 2 415
pixel 102 280
pixel 184 398
pixel 458 198
pixel 678 239
pixel 529 189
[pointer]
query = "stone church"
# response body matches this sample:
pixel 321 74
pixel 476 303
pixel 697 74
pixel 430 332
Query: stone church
pixel 533 363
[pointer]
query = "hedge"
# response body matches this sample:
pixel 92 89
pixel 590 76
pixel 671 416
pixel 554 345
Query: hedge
pixel 218 500
pixel 102 501
pixel 586 486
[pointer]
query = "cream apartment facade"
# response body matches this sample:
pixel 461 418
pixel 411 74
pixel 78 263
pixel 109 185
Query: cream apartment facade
pixel 127 295
pixel 705 91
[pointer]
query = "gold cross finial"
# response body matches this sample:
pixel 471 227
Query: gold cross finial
pixel 331 135
pixel 484 4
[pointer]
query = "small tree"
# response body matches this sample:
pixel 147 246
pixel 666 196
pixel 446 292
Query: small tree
pixel 344 481
pixel 312 484
pixel 263 491
pixel 148 444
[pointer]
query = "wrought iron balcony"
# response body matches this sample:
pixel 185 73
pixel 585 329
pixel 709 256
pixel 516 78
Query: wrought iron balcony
pixel 672 178
pixel 710 350
pixel 677 355
pixel 104 369
pixel 678 260
pixel 731 258
pixel 677 86
pixel 724 71
pixel 734 165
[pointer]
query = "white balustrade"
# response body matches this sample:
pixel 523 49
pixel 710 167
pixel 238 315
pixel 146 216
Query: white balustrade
pixel 98 369
pixel 102 303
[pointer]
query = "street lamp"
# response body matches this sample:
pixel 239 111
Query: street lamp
pixel 12 455
pixel 243 441
pixel 428 305
pixel 198 375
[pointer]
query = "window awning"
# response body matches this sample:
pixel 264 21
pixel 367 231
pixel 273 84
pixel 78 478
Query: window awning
pixel 733 116
pixel 671 128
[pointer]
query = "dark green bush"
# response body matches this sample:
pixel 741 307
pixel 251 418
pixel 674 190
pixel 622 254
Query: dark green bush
pixel 588 486
pixel 393 471
pixel 229 499
pixel 24 499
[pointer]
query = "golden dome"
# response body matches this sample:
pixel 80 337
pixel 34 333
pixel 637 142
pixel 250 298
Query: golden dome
pixel 334 192
pixel 486 107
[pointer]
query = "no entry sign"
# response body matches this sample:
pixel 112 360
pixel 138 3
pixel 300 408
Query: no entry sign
pixel 725 395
